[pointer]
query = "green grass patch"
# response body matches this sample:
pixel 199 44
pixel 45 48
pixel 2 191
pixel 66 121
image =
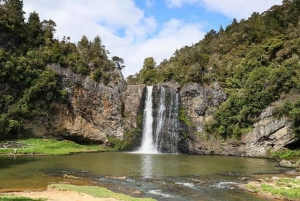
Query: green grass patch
pixel 286 154
pixel 98 192
pixel 15 198
pixel 290 193
pixel 287 188
pixel 51 147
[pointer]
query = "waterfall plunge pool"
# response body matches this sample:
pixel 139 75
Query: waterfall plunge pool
pixel 161 176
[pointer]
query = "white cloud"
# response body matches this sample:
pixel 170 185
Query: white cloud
pixel 180 3
pixel 149 3
pixel 140 37
pixel 231 8
pixel 240 9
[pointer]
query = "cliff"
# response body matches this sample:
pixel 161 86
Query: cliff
pixel 269 134
pixel 93 111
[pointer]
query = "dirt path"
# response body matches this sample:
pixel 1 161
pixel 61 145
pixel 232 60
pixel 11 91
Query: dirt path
pixel 57 195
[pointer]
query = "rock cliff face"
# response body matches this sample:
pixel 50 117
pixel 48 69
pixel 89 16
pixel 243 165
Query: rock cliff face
pixel 98 113
pixel 93 111
pixel 200 102
pixel 133 106
pixel 269 134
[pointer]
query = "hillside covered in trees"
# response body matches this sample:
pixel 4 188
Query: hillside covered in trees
pixel 27 86
pixel 256 61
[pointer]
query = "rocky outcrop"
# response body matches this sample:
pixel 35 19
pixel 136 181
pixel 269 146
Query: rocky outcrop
pixel 133 105
pixel 200 101
pixel 93 111
pixel 269 134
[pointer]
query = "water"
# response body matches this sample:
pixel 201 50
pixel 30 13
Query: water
pixel 160 123
pixel 147 145
pixel 161 176
pixel 160 117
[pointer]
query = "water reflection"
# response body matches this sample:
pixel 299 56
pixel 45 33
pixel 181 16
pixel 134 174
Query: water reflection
pixel 147 165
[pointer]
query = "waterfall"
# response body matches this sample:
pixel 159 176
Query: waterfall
pixel 160 117
pixel 147 140
pixel 160 121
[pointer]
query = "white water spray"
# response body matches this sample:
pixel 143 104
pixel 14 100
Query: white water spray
pixel 160 133
pixel 147 140
pixel 160 117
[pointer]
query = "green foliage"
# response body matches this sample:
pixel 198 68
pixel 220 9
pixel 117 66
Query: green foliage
pixel 97 192
pixel 96 75
pixel 291 110
pixel 182 115
pixel 117 143
pixel 286 154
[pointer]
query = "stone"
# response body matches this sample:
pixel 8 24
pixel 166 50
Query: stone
pixel 274 178
pixel 286 163
pixel 297 178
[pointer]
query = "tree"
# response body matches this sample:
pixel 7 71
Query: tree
pixel 149 63
pixel 118 62
pixel 12 26
pixel 49 29
pixel 84 47
pixel 35 30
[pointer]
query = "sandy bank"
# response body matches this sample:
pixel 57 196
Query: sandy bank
pixel 58 195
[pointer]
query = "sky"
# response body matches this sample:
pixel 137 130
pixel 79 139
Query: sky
pixel 137 29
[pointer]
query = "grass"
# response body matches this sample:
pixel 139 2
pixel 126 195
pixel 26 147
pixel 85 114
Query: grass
pixel 286 154
pixel 286 188
pixel 98 192
pixel 15 198
pixel 52 147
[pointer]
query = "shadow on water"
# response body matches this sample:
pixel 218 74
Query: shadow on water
pixel 8 161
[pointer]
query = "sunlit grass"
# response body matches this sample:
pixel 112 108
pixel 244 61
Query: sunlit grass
pixel 51 147
pixel 285 188
pixel 98 192
pixel 15 198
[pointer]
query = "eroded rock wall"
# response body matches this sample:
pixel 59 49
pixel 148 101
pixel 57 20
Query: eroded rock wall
pixel 93 111
pixel 133 106
pixel 269 134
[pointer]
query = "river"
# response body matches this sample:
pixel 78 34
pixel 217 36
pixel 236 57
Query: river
pixel 161 176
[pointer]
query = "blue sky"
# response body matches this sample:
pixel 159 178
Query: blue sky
pixel 136 29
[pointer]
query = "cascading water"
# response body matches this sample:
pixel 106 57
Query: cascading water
pixel 160 117
pixel 160 123
pixel 147 140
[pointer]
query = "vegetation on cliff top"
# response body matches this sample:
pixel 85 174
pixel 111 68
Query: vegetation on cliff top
pixel 27 86
pixel 256 61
